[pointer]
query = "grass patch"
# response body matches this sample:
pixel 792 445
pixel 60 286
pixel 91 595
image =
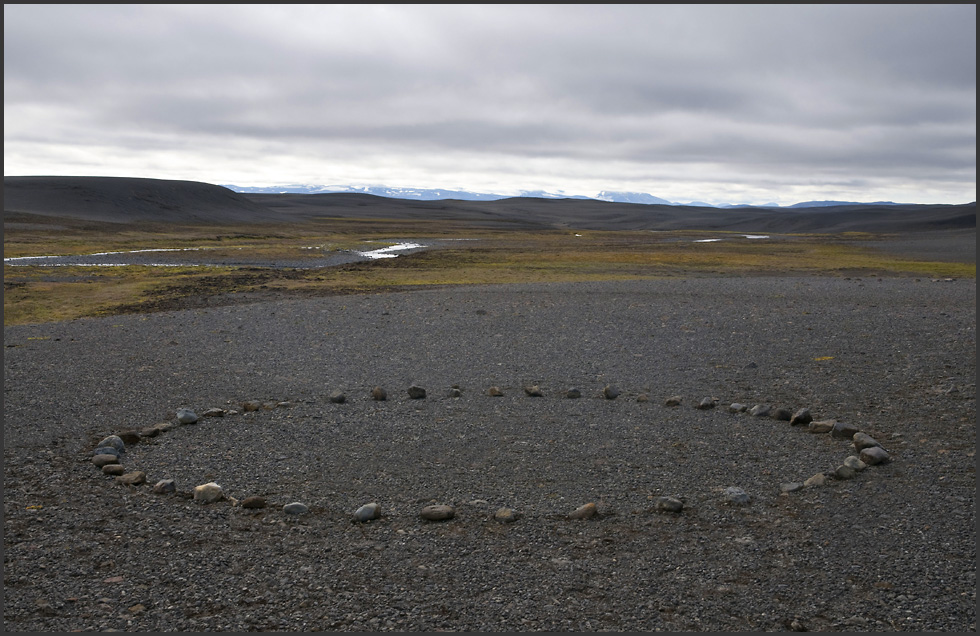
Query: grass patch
pixel 47 294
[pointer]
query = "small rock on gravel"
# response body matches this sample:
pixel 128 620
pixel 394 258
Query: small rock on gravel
pixel 165 487
pixel 874 455
pixel 586 511
pixel 208 493
pixel 367 512
pixel 134 478
pixel 416 392
pixel 668 504
pixel 296 508
pixel 186 416
pixel 505 515
pixel 437 512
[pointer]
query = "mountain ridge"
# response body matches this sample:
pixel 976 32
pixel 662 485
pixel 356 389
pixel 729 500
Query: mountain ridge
pixel 439 194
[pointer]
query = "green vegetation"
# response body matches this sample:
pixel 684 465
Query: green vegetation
pixel 45 294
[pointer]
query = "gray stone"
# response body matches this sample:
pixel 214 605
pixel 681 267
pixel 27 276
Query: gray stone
pixel 165 487
pixel 113 469
pixel 736 407
pixel 874 455
pixel 760 410
pixel 337 397
pixel 674 400
pixel 295 508
pixel 845 472
pixel 586 511
pixel 208 493
pixel 416 392
pixel 822 426
pixel 367 512
pixel 255 502
pixel 104 460
pixel 801 418
pixel 455 392
pixel 113 441
pixel 573 393
pixel 134 478
pixel 150 431
pixel 437 512
pixel 843 430
pixel 495 391
pixel 791 486
pixel 106 450
pixel 853 461
pixel 816 481
pixel 668 504
pixel 533 391
pixel 783 415
pixel 611 392
pixel 378 394
pixel 505 515
pixel 707 403
pixel 642 398
pixel 863 440
pixel 213 412
pixel 737 496
pixel 130 437
pixel 251 406
pixel 186 416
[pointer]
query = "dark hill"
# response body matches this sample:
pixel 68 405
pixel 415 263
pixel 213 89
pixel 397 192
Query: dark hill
pixel 129 200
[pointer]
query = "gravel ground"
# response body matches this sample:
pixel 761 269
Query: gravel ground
pixel 892 549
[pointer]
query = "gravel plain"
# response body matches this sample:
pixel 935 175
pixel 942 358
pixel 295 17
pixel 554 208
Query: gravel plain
pixel 893 549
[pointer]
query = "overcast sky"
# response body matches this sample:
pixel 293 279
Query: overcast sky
pixel 721 103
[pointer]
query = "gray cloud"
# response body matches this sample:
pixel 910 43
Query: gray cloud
pixel 646 97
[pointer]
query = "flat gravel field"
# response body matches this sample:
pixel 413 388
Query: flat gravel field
pixel 892 549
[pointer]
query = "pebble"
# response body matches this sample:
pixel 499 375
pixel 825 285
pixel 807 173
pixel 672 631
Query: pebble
pixel 674 400
pixel 416 392
pixel 874 455
pixel 164 487
pixel 254 502
pixel 783 415
pixel 337 397
pixel 208 493
pixel 104 459
pixel 573 393
pixel 134 478
pixel 816 481
pixel 737 407
pixel 213 412
pixel 843 430
pixel 113 469
pixel 296 508
pixel 791 486
pixel 367 512
pixel 533 391
pixel 505 515
pixel 863 440
pixel 437 512
pixel 822 426
pixel 759 410
pixel 455 392
pixel 801 418
pixel 853 461
pixel 113 441
pixel 668 504
pixel 611 392
pixel 378 394
pixel 844 472
pixel 130 437
pixel 737 496
pixel 707 403
pixel 186 416
pixel 584 512
pixel 495 391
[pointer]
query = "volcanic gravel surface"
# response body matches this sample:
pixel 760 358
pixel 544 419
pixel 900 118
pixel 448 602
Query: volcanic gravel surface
pixel 892 549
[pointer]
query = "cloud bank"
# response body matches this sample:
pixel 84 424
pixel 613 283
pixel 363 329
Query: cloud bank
pixel 755 103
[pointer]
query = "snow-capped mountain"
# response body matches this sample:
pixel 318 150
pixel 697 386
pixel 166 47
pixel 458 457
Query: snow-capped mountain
pixel 435 194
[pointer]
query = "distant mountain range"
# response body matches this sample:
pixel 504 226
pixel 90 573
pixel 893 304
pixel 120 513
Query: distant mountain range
pixel 434 194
